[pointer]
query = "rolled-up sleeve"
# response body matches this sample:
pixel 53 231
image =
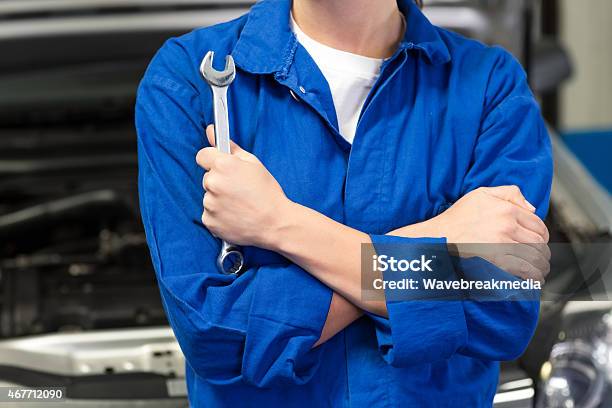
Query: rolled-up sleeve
pixel 258 328
pixel 418 330
pixel 513 148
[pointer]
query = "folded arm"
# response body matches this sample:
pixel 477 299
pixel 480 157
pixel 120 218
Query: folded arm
pixel 264 323
pixel 238 186
pixel 511 153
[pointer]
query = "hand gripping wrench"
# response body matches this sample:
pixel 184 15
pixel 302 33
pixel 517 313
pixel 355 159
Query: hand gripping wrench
pixel 230 259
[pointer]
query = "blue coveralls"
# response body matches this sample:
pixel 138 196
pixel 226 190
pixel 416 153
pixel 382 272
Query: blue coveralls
pixel 446 116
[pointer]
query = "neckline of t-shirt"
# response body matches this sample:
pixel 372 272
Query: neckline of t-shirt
pixel 337 60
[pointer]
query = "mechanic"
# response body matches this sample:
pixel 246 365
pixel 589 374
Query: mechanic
pixel 355 122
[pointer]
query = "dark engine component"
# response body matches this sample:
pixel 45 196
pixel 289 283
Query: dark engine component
pixel 73 254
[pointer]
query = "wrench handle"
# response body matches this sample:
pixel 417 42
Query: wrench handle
pixel 230 260
pixel 222 135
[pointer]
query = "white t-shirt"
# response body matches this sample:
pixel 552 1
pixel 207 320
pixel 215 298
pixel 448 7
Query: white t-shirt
pixel 350 78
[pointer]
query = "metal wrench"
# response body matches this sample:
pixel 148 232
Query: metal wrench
pixel 230 259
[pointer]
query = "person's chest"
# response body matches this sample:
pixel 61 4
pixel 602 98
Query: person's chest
pixel 412 147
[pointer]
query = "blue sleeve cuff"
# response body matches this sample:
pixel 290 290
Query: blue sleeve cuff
pixel 393 239
pixel 418 330
pixel 284 325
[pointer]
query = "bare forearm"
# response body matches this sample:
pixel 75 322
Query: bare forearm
pixel 341 314
pixel 329 251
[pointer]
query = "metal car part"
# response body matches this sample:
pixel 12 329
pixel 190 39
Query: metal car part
pixel 515 389
pixel 578 371
pixel 104 368
pixel 151 350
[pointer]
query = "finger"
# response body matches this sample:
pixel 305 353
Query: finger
pixel 525 236
pixel 206 157
pixel 210 135
pixel 209 223
pixel 207 203
pixel 238 151
pixel 543 249
pixel 512 194
pixel 533 223
pixel 212 182
pixel 205 215
pixel 521 268
pixel 525 270
pixel 235 149
pixel 532 255
pixel 206 182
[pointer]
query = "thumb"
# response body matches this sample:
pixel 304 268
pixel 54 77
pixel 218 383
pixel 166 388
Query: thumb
pixel 512 194
pixel 234 148
pixel 241 153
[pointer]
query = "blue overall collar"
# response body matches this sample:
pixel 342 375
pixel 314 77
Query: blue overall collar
pixel 267 45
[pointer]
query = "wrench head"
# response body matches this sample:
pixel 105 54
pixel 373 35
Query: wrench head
pixel 230 261
pixel 218 78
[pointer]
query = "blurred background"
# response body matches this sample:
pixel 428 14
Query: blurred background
pixel 79 306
